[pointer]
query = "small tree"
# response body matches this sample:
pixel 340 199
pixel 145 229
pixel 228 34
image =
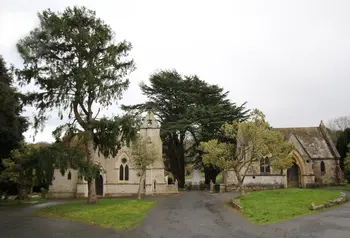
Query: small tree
pixel 31 165
pixel 144 154
pixel 245 143
pixel 18 170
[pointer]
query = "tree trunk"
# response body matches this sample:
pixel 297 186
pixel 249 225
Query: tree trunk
pixel 177 161
pixel 89 146
pixel 19 194
pixel 240 188
pixel 181 163
pixel 178 171
pixel 139 192
pixel 240 181
pixel 210 173
pixel 181 178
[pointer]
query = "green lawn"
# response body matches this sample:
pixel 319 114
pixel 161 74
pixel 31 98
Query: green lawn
pixel 276 205
pixel 202 175
pixel 219 178
pixel 120 214
pixel 345 187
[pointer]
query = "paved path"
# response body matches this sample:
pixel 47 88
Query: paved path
pixel 190 214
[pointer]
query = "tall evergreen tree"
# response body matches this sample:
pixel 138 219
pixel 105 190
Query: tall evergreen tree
pixel 73 59
pixel 186 107
pixel 12 124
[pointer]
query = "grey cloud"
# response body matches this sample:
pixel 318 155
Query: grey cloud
pixel 288 58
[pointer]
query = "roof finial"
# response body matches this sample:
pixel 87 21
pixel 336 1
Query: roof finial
pixel 321 123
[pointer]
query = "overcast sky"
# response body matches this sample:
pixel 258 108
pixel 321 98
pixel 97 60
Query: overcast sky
pixel 288 58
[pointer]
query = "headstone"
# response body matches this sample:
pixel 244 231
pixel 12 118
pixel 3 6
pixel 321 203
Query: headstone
pixel 196 177
pixel 211 188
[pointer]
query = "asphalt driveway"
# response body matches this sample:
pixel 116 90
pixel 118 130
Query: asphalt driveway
pixel 190 214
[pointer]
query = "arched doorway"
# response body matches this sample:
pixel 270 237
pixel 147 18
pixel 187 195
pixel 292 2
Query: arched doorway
pixel 99 185
pixel 293 176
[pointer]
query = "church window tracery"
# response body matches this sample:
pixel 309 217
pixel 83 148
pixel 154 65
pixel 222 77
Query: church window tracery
pixel 124 170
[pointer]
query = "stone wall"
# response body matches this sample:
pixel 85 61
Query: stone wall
pixel 260 182
pixel 252 187
pixel 62 187
pixel 167 189
pixel 308 181
pixel 82 189
pixel 122 189
pixel 331 167
pixel 257 179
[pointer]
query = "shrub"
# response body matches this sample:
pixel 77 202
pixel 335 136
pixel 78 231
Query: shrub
pixel 43 192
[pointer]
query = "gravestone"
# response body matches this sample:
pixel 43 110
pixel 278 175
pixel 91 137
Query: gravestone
pixel 196 177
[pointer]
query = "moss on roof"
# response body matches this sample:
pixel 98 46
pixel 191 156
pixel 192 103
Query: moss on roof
pixel 311 138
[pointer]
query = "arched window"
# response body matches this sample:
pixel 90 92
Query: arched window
pixel 144 184
pixel 69 176
pixel 154 185
pixel 323 168
pixel 126 172
pixel 265 166
pixel 121 172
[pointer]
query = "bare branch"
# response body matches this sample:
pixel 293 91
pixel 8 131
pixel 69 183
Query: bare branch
pixel 98 112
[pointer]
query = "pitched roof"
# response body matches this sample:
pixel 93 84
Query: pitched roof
pixel 315 140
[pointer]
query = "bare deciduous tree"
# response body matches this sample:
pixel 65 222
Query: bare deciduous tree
pixel 339 123
pixel 144 154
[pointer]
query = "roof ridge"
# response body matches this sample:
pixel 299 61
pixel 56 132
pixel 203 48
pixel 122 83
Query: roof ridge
pixel 302 127
pixel 329 141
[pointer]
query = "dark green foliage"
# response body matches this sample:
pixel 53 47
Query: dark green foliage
pixel 20 169
pixel 33 165
pixel 73 59
pixel 189 110
pixel 342 147
pixel 12 124
pixel 110 129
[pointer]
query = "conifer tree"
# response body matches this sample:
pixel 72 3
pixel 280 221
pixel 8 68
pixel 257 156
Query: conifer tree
pixel 79 69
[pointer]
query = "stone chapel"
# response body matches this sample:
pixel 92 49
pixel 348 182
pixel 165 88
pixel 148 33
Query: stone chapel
pixel 314 158
pixel 120 178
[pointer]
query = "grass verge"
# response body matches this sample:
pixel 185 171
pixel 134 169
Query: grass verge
pixel 120 214
pixel 12 202
pixel 344 187
pixel 277 205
